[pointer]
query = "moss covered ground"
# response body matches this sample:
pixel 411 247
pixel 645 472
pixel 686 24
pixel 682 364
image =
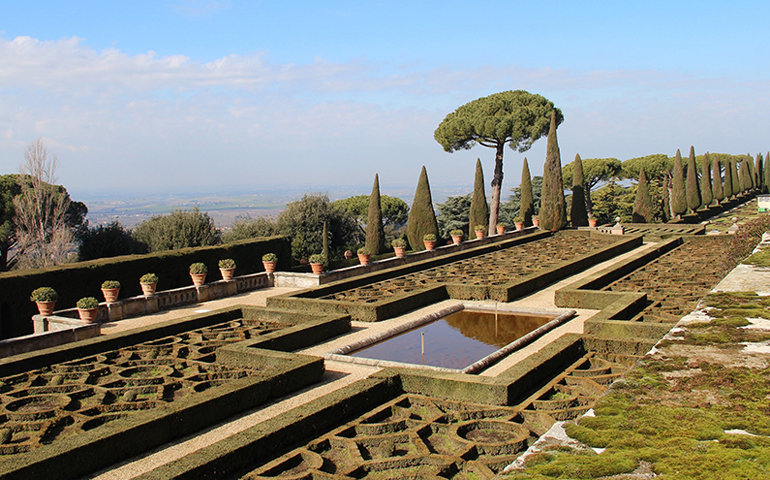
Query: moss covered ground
pixel 745 212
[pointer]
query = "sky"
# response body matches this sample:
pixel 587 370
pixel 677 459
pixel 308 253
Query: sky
pixel 185 94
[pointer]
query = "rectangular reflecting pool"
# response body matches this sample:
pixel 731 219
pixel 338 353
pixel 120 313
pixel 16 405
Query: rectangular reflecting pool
pixel 456 340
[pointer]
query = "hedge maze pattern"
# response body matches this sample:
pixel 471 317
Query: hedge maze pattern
pixel 41 406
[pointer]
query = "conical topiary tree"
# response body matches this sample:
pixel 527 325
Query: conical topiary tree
pixel 422 217
pixel 479 207
pixel 705 182
pixel 759 171
pixel 643 211
pixel 678 196
pixel 578 212
pixel 737 185
pixel 745 175
pixel 728 186
pixel 716 180
pixel 766 172
pixel 527 208
pixel 326 244
pixel 375 233
pixel 553 208
pixel 750 168
pixel 693 191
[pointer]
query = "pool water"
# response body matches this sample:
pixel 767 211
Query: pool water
pixel 455 341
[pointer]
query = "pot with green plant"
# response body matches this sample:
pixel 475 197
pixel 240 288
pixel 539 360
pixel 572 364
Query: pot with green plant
pixel 536 221
pixel 429 240
pixel 111 290
pixel 148 282
pixel 227 268
pixel 269 261
pixel 317 262
pixel 479 230
pixel 500 228
pixel 457 236
pixel 519 222
pixel 198 273
pixel 45 298
pixel 364 255
pixel 399 246
pixel 88 309
pixel 592 221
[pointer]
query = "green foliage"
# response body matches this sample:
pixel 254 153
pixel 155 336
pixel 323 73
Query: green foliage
pixel 716 179
pixel 766 173
pixel 512 207
pixel 518 219
pixel 44 294
pixel 422 218
pixel 325 237
pixel 678 194
pixel 110 284
pixel 148 278
pixel 198 268
pixel 745 176
pixel 759 172
pixel 364 251
pixel 578 212
pixel 479 228
pixel 87 303
pixel 399 242
pixel 298 248
pixel 246 227
pixel 729 189
pixel 9 188
pixel 705 182
pixel 375 234
pixel 479 210
pixel 693 190
pixel 611 201
pixel 643 210
pixel 656 166
pixel 553 209
pixel 269 257
pixel 429 237
pixel 226 263
pixel 109 240
pixel 453 214
pixel 526 194
pixel 456 233
pixel 317 258
pixel 395 211
pixel 180 229
pixel 734 175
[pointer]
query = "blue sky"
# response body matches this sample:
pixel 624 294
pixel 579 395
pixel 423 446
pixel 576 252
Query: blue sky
pixel 180 94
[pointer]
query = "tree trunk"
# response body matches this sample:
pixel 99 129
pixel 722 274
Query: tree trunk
pixel 497 184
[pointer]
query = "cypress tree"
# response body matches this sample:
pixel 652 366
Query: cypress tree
pixel 643 211
pixel 678 196
pixel 553 208
pixel 479 207
pixel 759 171
pixel 745 175
pixel 693 191
pixel 527 208
pixel 578 212
pixel 750 168
pixel 728 189
pixel 735 178
pixel 375 233
pixel 326 244
pixel 766 172
pixel 705 182
pixel 422 217
pixel 716 179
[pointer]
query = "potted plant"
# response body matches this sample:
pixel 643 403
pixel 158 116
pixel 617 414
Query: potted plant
pixel 501 228
pixel 364 255
pixel 519 222
pixel 592 221
pixel 227 268
pixel 399 246
pixel 317 261
pixel 45 298
pixel 110 290
pixel 348 254
pixel 479 229
pixel 198 273
pixel 429 240
pixel 269 261
pixel 149 282
pixel 536 221
pixel 457 236
pixel 88 309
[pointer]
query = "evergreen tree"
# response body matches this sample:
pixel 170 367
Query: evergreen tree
pixel 553 210
pixel 693 191
pixel 527 208
pixel 759 171
pixel 766 173
pixel 375 232
pixel 479 208
pixel 716 179
pixel 422 217
pixel 728 185
pixel 705 182
pixel 578 213
pixel 643 210
pixel 750 168
pixel 734 175
pixel 745 175
pixel 326 243
pixel 678 194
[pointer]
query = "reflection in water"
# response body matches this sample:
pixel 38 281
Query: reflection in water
pixel 455 341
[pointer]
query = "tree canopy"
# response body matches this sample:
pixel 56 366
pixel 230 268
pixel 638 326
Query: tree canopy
pixel 453 214
pixel 179 229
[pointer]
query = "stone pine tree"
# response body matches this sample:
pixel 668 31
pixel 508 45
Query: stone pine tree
pixel 422 217
pixel 693 190
pixel 517 118
pixel 766 173
pixel 479 208
pixel 728 185
pixel 716 180
pixel 375 232
pixel 705 182
pixel 578 212
pixel 527 208
pixel 643 210
pixel 736 179
pixel 553 208
pixel 678 193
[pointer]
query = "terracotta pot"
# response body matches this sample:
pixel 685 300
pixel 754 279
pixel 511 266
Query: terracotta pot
pixel 198 279
pixel 110 294
pixel 148 289
pixel 479 234
pixel 303 261
pixel 318 268
pixel 364 259
pixel 593 222
pixel 227 273
pixel 88 314
pixel 500 229
pixel 536 222
pixel 45 308
pixel 269 266
pixel 457 239
pixel 429 245
pixel 519 225
pixel 400 251
pixel 348 254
